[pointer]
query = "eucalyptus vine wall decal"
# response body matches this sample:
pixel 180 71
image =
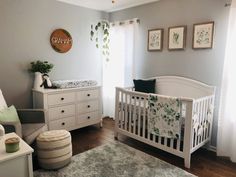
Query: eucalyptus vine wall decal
pixel 100 33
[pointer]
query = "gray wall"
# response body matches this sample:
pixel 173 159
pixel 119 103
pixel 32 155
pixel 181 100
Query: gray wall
pixel 202 65
pixel 25 29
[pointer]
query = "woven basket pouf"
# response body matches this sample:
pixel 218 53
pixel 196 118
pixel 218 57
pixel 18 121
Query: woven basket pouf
pixel 54 149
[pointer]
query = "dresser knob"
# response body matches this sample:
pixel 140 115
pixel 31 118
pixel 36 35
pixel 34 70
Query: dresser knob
pixel 88 117
pixel 62 111
pixel 88 94
pixel 62 99
pixel 63 123
pixel 88 106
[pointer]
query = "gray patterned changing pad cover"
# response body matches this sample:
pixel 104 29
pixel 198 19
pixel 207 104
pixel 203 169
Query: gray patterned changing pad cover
pixel 74 83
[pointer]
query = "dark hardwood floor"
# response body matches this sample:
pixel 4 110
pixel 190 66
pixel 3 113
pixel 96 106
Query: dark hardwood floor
pixel 203 164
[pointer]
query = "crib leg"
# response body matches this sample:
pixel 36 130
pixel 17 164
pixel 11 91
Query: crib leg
pixel 116 135
pixel 187 161
pixel 101 123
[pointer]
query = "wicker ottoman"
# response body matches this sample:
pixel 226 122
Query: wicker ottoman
pixel 54 149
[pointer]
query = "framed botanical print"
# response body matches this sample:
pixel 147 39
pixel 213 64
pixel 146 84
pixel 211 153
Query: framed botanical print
pixel 203 35
pixel 155 39
pixel 177 37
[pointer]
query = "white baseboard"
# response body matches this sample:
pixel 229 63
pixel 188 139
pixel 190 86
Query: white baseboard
pixel 211 148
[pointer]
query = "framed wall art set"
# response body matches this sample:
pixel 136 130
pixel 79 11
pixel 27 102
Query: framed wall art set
pixel 202 37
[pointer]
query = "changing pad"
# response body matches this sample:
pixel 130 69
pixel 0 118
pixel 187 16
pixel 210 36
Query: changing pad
pixel 74 83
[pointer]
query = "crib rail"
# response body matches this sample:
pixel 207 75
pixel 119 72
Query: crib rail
pixel 132 120
pixel 203 109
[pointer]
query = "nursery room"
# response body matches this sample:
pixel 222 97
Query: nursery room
pixel 117 88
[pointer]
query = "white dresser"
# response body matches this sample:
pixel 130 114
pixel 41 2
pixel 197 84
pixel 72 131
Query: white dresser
pixel 70 108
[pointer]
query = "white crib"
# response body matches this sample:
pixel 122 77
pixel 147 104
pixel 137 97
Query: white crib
pixel 131 118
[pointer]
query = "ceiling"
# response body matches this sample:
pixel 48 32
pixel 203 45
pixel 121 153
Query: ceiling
pixel 107 5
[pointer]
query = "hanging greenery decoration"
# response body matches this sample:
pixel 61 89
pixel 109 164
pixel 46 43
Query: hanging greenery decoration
pixel 101 29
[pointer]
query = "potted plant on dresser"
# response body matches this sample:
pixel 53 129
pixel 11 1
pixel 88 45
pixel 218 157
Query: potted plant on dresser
pixel 40 69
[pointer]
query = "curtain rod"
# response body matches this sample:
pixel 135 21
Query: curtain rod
pixel 124 22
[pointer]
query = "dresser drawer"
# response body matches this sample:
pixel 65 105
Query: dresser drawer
pixel 87 95
pixel 88 106
pixel 62 98
pixel 60 112
pixel 66 123
pixel 87 117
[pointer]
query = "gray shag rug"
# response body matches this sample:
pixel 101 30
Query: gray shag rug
pixel 115 160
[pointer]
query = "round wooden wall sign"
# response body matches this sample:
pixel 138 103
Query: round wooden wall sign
pixel 61 40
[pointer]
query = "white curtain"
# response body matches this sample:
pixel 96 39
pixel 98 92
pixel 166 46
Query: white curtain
pixel 226 143
pixel 119 70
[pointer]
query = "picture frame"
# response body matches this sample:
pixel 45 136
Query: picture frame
pixel 155 39
pixel 177 37
pixel 203 35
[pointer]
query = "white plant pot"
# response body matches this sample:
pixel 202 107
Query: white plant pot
pixel 38 80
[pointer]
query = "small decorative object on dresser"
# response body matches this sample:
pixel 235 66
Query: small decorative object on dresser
pixel 177 37
pixel 70 108
pixel 12 144
pixel 155 39
pixel 40 67
pixel 203 35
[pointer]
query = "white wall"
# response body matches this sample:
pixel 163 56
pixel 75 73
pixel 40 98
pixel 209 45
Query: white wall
pixel 25 29
pixel 202 65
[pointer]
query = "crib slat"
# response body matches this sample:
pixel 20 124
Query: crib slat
pixel 130 113
pixel 206 128
pixel 122 111
pixel 126 112
pixel 139 116
pixel 144 117
pixel 178 145
pixel 210 123
pixel 134 115
pixel 195 113
pixel 208 107
pixel 196 130
pixel 204 119
pixel 159 139
pixel 165 141
pixel 200 122
pixel 148 132
pixel 172 143
pixel 118 104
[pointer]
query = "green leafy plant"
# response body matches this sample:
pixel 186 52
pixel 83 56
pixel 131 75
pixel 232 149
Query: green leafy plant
pixel 101 29
pixel 43 67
